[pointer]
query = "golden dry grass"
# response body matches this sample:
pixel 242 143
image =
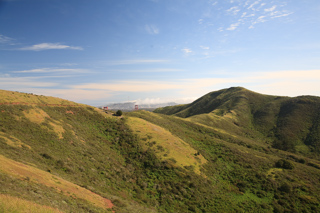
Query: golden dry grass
pixel 36 115
pixel 173 147
pixel 57 128
pixel 30 173
pixel 39 116
pixel 9 204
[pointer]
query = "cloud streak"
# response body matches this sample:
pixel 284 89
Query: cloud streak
pixel 233 26
pixel 52 70
pixel 137 61
pixel 50 46
pixel 5 39
pixel 187 51
pixel 152 29
pixel 151 70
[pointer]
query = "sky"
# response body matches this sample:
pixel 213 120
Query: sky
pixel 151 51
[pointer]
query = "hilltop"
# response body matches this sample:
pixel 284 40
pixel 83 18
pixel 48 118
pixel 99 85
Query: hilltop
pixel 290 124
pixel 216 154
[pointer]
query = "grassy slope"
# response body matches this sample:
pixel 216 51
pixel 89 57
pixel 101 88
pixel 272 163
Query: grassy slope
pixel 72 144
pixel 108 155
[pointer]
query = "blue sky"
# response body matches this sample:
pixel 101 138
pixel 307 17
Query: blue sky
pixel 103 51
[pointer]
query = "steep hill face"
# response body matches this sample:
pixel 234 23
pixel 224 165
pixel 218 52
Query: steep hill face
pixel 291 124
pixel 59 156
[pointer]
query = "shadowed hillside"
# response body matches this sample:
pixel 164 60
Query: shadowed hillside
pixel 61 156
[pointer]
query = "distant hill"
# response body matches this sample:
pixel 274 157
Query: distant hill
pixel 291 123
pixel 217 154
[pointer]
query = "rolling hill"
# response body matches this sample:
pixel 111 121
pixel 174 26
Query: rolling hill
pixel 232 150
pixel 291 124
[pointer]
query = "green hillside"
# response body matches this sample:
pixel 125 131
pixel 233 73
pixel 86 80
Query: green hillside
pixel 290 124
pixel 58 156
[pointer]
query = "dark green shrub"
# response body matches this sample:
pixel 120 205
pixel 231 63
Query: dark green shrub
pixel 284 164
pixel 119 113
pixel 313 165
pixel 285 188
pixel 45 155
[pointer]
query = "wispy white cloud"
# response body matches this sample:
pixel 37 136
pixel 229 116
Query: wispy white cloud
pixel 270 9
pixel 137 61
pixel 251 7
pixel 233 26
pixel 154 70
pixel 16 83
pixel 186 50
pixel 204 47
pixel 243 14
pixel 51 70
pixel 152 29
pixel 214 3
pixel 50 46
pixel 252 12
pixel 233 10
pixel 5 39
pixel 278 14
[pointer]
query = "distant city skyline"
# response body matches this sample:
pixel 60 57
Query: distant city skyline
pixel 153 51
